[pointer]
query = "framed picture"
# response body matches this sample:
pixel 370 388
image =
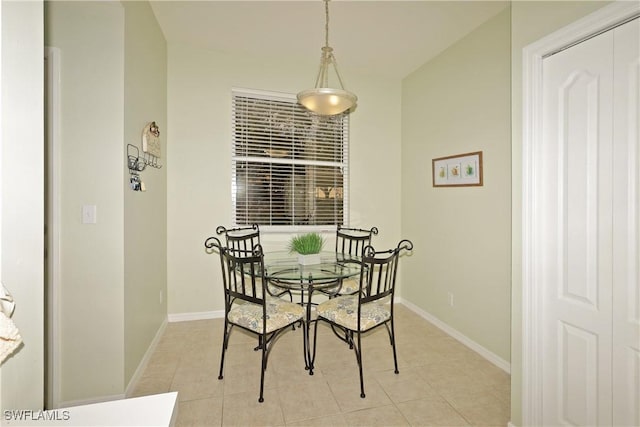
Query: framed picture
pixel 461 170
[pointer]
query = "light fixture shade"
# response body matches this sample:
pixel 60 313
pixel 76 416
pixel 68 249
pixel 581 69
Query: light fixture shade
pixel 327 101
pixel 322 99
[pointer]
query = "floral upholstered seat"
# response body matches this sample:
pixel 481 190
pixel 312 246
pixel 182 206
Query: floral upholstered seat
pixel 280 313
pixel 343 311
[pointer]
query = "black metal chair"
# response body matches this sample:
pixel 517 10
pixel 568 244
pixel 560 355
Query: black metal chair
pixel 245 303
pixel 371 306
pixel 245 239
pixel 351 242
pixel 240 238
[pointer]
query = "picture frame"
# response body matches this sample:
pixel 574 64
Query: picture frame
pixel 460 170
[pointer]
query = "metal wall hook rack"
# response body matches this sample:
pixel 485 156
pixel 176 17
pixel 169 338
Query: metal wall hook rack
pixel 136 163
pixel 151 160
pixel 151 145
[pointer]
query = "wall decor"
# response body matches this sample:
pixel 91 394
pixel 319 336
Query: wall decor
pixel 136 162
pixel 135 165
pixel 151 145
pixel 460 170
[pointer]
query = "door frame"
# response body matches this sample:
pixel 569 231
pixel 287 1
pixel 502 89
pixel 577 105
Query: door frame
pixel 534 168
pixel 52 221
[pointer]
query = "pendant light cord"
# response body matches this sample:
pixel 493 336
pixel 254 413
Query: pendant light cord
pixel 326 23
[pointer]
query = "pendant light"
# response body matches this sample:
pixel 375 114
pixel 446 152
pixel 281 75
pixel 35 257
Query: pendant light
pixel 322 99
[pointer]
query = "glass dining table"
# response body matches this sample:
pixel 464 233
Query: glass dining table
pixel 282 269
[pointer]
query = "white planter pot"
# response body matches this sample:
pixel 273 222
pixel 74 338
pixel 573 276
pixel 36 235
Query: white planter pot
pixel 309 259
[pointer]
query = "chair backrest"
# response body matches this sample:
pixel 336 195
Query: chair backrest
pixel 352 241
pixel 242 272
pixel 379 270
pixel 240 238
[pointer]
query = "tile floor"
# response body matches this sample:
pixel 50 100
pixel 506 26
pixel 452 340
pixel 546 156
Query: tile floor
pixel 441 382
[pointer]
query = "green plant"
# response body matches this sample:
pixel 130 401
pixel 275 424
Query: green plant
pixel 305 244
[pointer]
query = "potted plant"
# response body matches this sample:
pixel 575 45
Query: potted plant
pixel 308 247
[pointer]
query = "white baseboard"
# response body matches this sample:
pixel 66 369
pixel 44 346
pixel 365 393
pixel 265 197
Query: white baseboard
pixel 201 315
pixel 490 356
pixel 145 359
pixel 179 317
pixel 134 379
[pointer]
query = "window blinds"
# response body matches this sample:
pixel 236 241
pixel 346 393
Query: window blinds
pixel 290 168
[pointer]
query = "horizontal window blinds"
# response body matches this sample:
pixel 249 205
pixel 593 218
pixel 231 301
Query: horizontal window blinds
pixel 289 167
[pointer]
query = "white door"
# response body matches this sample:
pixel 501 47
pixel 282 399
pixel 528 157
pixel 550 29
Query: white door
pixel 626 226
pixel 590 232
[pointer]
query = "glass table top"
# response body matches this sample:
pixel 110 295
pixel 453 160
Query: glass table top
pixel 284 266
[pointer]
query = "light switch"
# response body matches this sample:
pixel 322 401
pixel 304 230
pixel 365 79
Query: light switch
pixel 89 214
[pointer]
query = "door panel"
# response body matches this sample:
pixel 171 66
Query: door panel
pixel 591 231
pixel 579 360
pixel 577 126
pixel 579 100
pixel 626 254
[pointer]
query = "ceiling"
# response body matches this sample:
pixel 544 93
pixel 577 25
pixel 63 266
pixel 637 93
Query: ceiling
pixel 388 38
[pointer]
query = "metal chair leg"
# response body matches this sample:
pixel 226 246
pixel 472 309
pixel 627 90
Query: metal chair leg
pixel 358 350
pixel 393 344
pixel 264 367
pixel 225 340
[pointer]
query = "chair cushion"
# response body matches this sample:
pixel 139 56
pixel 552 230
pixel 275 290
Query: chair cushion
pixel 350 286
pixel 343 310
pixel 275 291
pixel 280 313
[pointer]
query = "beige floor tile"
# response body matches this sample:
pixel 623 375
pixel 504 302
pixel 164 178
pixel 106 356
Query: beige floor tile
pixel 407 385
pixel 336 361
pixel 301 402
pixel 441 381
pixel 337 420
pixel 469 399
pixel 241 378
pixel 347 393
pixel 199 413
pixel 148 385
pixel 491 414
pixel 165 358
pixel 429 412
pixel 197 364
pixel 297 375
pixel 457 385
pixel 379 358
pixel 414 358
pixel 384 416
pixel 493 375
pixel 450 348
pixel 241 354
pixel 193 387
pixel 442 370
pixel 243 409
pixel 503 393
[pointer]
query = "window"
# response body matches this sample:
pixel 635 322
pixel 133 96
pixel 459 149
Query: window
pixel 289 167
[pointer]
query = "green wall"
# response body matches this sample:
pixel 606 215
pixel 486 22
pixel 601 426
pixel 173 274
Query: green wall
pixel 459 102
pixel 199 190
pixel 145 213
pixel 113 81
